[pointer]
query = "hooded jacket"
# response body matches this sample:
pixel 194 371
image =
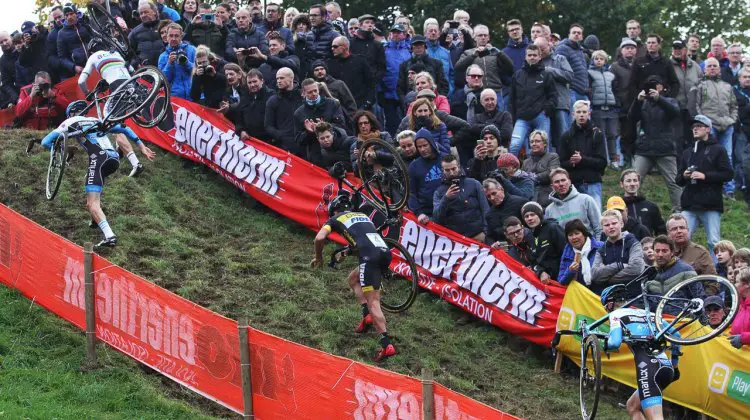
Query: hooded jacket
pixel 616 262
pixel 279 119
pixel 71 46
pixel 590 142
pixel 511 206
pixel 516 51
pixel 396 52
pixel 710 158
pixel 647 213
pixel 532 91
pixel 566 275
pixel 689 74
pixel 178 75
pixel 541 167
pixel 562 74
pixel 146 43
pixel 466 213
pixel 439 134
pixel 575 206
pixel 657 137
pixel 715 99
pixel 497 66
pixel 425 176
pixel 549 243
pixel 572 51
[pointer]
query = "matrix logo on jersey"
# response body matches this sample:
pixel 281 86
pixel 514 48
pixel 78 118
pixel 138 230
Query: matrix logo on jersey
pixel 242 161
pixel 736 384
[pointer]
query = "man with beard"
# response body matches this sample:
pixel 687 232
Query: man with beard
pixel 280 108
pixel 145 38
pixel 459 203
pixel 670 270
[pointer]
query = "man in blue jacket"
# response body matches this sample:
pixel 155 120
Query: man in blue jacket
pixel 425 176
pixel 71 42
pixel 459 203
pixel 570 48
pixel 438 52
pixel 177 61
pixel 517 43
pixel 396 52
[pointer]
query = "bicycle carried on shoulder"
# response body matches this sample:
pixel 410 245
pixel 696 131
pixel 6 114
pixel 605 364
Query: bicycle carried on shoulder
pixel 385 187
pixel 679 318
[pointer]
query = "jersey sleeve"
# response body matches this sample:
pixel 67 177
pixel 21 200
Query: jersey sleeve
pixel 86 71
pixel 51 137
pixel 614 341
pixel 130 134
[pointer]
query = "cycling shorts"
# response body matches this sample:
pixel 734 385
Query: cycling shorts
pixel 372 265
pixel 653 374
pixel 101 164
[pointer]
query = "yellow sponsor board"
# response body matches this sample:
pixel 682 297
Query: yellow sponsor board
pixel 715 377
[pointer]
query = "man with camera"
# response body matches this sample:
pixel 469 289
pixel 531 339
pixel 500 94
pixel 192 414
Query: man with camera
pixel 245 42
pixel 41 106
pixel 207 29
pixel 177 62
pixel 33 54
pixel 459 203
pixel 145 38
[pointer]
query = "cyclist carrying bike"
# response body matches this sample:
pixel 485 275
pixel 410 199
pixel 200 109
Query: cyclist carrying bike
pixel 103 159
pixel 654 370
pixel 113 69
pixel 374 259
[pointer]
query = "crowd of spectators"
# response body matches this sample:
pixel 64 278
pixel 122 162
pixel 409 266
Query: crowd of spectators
pixel 505 144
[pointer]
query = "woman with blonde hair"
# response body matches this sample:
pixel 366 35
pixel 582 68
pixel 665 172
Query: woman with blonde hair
pixel 540 162
pixel 289 16
pixel 207 86
pixel 422 115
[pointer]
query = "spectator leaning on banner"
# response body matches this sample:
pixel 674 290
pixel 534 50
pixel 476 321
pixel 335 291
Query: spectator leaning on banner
pixel 578 255
pixel 280 108
pixel 549 242
pixel 41 105
pixel 568 204
pixel 145 39
pixel 520 241
pixel 670 269
pixel 315 109
pixel 177 62
pixel 425 175
pixel 620 259
pixel 335 146
pixel 502 206
pixel 540 163
pixel 71 42
pixel 459 203
pixel 693 254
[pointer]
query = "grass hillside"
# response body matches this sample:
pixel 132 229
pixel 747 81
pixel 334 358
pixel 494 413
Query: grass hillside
pixel 188 230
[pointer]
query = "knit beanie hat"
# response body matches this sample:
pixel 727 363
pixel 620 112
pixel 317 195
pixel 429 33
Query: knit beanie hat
pixel 319 63
pixel 533 206
pixel 591 43
pixel 507 160
pixel 490 128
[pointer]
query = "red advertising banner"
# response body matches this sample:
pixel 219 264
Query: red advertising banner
pixel 200 349
pixel 489 284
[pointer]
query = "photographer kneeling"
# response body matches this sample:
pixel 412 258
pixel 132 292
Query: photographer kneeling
pixel 209 81
pixel 177 62
pixel 40 105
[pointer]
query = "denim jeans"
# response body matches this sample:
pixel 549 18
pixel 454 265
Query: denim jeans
pixel 711 221
pixel 607 122
pixel 560 124
pixel 725 139
pixel 522 129
pixel 740 142
pixel 594 190
pixel 503 102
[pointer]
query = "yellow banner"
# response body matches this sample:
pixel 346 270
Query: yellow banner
pixel 715 377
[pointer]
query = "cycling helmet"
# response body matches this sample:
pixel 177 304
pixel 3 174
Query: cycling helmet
pixel 614 293
pixel 341 202
pixel 95 45
pixel 75 108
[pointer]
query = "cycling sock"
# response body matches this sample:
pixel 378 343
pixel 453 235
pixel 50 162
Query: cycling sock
pixel 106 230
pixel 365 311
pixel 384 340
pixel 133 159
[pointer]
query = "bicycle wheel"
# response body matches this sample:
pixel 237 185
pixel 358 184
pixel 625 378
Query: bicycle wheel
pixel 591 376
pixel 398 289
pixel 108 30
pixel 385 176
pixel 154 112
pixel 132 96
pixel 683 305
pixel 56 167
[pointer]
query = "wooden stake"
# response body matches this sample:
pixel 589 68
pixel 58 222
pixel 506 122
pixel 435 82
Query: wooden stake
pixel 247 383
pixel 428 395
pixel 558 361
pixel 88 259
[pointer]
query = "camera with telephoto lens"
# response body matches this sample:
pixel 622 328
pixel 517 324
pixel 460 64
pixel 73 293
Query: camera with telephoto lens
pixel 43 88
pixel 182 57
pixel 207 69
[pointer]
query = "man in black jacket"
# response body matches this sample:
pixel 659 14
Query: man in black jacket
pixel 502 206
pixel 645 211
pixel 336 88
pixel 363 43
pixel 249 116
pixel 244 40
pixel 71 42
pixel 33 53
pixel 278 56
pixel 279 118
pixel 145 38
pixel 211 33
pixel 53 62
pixel 549 242
pixel 654 63
pixel 428 64
pixel 315 109
pixel 334 144
pixel 354 70
pixel 8 68
pixel 703 170
pixel 582 153
pixel 532 99
pixel 520 241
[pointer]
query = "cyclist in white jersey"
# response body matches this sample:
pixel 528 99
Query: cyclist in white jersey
pixel 113 69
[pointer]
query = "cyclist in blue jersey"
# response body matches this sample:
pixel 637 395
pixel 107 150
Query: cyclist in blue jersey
pixel 654 370
pixel 374 259
pixel 103 159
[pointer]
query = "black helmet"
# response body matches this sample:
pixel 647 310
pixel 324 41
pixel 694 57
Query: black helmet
pixel 95 45
pixel 75 108
pixel 341 202
pixel 615 293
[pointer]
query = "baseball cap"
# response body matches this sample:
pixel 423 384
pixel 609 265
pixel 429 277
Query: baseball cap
pixel 418 39
pixel 627 41
pixel 27 27
pixel 555 35
pixel 702 119
pixel 615 202
pixel 398 28
pixel 713 300
pixel 426 93
pixel 678 44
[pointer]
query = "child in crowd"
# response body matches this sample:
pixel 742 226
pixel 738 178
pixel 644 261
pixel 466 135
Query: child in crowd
pixel 604 110
pixel 724 250
pixel 647 244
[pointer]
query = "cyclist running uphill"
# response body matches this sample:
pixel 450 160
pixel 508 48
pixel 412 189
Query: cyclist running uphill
pixel 113 69
pixel 654 370
pixel 103 160
pixel 374 258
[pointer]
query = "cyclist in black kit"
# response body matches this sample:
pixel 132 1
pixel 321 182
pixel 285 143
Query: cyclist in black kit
pixel 374 258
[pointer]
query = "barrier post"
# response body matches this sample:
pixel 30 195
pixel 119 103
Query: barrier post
pixel 247 383
pixel 558 361
pixel 90 303
pixel 428 395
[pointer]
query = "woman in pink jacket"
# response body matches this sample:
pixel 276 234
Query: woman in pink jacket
pixel 741 326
